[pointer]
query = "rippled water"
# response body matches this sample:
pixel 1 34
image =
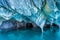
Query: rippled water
pixel 30 35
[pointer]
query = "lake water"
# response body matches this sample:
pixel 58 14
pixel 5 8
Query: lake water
pixel 29 35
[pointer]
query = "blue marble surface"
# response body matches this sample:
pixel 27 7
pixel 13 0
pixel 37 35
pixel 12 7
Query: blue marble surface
pixel 38 12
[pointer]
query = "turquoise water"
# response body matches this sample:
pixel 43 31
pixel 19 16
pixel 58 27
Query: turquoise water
pixel 30 35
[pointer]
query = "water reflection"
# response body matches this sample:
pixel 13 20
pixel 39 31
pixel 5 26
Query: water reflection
pixel 30 35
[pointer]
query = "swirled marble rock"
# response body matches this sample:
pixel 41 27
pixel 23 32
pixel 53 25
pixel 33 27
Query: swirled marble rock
pixel 37 11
